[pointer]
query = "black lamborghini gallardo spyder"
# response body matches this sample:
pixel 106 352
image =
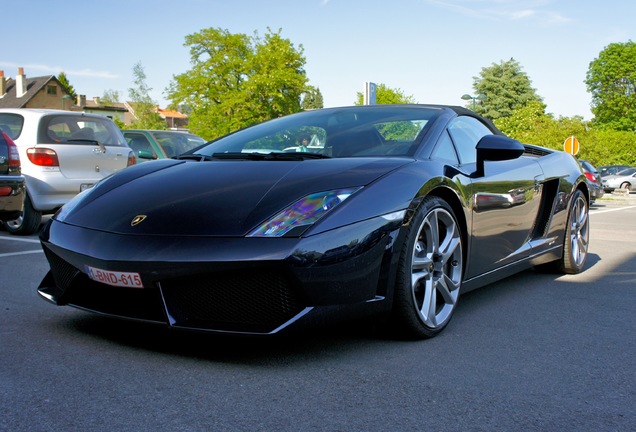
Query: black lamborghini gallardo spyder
pixel 392 209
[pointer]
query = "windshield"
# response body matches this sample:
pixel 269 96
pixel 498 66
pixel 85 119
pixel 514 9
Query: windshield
pixel 79 129
pixel 337 132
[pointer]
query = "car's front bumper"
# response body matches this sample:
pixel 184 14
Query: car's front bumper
pixel 243 285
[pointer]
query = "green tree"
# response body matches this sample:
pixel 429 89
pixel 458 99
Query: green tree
pixel 385 95
pixel 63 79
pixel 611 79
pixel 312 99
pixel 532 125
pixel 110 97
pixel 237 80
pixel 145 109
pixel 506 88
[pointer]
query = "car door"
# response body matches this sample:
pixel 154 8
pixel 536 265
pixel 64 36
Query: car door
pixel 88 147
pixel 144 148
pixel 505 201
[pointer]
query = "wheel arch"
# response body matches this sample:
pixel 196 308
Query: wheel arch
pixel 452 198
pixel 583 187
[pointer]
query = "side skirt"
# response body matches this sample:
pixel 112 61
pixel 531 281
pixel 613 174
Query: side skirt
pixel 552 254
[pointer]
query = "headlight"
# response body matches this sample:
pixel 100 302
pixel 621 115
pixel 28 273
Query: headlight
pixel 303 213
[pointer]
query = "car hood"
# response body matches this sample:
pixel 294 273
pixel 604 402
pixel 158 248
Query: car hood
pixel 213 198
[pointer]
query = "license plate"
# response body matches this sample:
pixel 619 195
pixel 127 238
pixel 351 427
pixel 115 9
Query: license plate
pixel 85 186
pixel 118 279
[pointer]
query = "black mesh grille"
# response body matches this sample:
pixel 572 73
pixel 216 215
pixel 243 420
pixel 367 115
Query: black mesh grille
pixel 63 272
pixel 249 301
pixel 142 304
pixel 75 288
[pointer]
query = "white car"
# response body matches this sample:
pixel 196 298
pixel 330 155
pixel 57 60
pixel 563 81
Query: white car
pixel 62 153
pixel 625 179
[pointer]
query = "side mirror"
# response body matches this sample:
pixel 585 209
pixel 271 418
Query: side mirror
pixel 145 154
pixel 496 148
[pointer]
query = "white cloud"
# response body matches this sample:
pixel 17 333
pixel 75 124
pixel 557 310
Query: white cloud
pixel 504 10
pixel 54 70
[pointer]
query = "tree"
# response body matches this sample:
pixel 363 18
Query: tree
pixel 312 99
pixel 611 79
pixel 237 80
pixel 532 125
pixel 385 95
pixel 506 88
pixel 63 79
pixel 110 97
pixel 145 109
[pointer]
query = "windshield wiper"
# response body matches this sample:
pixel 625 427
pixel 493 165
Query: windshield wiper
pixel 194 156
pixel 296 156
pixel 89 141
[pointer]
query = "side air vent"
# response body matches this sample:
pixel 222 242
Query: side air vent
pixel 548 196
pixel 535 151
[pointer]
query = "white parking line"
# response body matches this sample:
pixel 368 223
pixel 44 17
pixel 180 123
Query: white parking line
pixel 20 239
pixel 20 253
pixel 612 210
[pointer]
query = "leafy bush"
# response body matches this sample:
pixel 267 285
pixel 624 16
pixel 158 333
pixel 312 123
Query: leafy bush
pixel 531 125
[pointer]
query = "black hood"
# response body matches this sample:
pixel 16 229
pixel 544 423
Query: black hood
pixel 215 198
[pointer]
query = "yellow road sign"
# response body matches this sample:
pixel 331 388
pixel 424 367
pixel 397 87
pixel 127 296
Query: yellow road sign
pixel 571 145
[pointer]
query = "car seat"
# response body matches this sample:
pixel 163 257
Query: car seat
pixel 351 143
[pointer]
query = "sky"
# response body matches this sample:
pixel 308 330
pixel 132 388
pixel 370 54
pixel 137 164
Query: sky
pixel 429 49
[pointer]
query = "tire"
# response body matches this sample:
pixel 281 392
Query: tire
pixel 430 272
pixel 28 223
pixel 577 236
pixel 626 186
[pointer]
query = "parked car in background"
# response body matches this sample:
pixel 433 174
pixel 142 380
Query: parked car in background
pixel 625 179
pixel 160 144
pixel 593 180
pixel 11 181
pixel 612 169
pixel 62 153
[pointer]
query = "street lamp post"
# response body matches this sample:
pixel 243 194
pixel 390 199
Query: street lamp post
pixel 480 97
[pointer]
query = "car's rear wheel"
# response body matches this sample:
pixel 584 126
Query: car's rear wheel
pixel 430 271
pixel 27 223
pixel 626 186
pixel 577 236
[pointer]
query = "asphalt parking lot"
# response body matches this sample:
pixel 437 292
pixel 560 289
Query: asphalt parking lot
pixel 534 352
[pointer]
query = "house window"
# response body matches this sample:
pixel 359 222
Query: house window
pixel 52 90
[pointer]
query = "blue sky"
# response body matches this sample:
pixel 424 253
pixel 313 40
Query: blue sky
pixel 430 49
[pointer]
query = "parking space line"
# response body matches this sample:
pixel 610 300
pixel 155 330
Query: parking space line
pixel 19 239
pixel 612 210
pixel 20 253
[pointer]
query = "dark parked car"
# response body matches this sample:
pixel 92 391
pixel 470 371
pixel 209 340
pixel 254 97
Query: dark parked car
pixel 240 236
pixel 12 189
pixel 594 180
pixel 160 144
pixel 612 169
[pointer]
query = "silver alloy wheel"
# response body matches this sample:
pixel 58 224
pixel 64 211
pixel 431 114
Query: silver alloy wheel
pixel 436 268
pixel 579 231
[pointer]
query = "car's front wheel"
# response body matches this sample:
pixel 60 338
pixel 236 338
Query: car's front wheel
pixel 28 222
pixel 430 271
pixel 577 235
pixel 626 186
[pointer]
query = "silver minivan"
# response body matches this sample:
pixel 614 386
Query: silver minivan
pixel 62 153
